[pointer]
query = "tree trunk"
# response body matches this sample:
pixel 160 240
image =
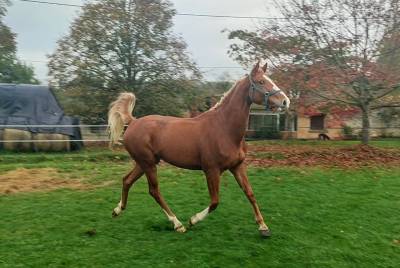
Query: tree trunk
pixel 365 125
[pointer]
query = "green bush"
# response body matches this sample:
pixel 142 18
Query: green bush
pixel 347 130
pixel 267 133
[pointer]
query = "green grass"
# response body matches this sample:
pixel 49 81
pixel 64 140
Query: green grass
pixel 319 218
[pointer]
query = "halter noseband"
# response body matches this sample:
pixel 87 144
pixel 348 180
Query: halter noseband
pixel 256 87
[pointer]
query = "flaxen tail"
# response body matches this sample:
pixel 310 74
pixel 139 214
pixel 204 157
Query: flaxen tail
pixel 119 115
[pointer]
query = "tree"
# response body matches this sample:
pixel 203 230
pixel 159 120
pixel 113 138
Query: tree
pixel 207 94
pixel 123 45
pixel 338 44
pixel 11 69
pixel 3 7
pixel 390 56
pixel 16 72
pixel 7 38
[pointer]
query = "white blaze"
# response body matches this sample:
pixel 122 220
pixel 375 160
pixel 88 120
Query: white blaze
pixel 276 88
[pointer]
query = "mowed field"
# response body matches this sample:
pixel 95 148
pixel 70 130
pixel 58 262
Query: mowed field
pixel 55 210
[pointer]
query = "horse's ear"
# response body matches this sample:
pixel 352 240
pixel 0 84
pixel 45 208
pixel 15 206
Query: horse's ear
pixel 265 67
pixel 255 68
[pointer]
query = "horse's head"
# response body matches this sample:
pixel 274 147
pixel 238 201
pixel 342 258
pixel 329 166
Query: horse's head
pixel 264 91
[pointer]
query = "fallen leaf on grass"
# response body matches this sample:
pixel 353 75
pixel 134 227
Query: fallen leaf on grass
pixel 306 155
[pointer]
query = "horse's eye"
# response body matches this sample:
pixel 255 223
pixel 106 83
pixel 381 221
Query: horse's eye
pixel 261 82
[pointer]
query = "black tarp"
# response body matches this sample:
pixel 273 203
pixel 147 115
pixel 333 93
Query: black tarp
pixel 35 105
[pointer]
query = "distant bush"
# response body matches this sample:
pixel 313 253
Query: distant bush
pixel 267 133
pixel 348 131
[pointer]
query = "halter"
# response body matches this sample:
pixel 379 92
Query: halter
pixel 256 87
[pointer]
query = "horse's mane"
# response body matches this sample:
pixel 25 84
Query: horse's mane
pixel 223 98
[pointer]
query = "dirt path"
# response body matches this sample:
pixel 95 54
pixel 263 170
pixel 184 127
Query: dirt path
pixel 35 180
pixel 41 180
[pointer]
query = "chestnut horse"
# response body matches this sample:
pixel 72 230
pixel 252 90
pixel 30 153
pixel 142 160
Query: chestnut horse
pixel 212 142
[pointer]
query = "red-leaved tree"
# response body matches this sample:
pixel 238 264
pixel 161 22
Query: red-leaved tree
pixel 335 49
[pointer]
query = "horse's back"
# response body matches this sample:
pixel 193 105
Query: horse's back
pixel 175 140
pixel 152 124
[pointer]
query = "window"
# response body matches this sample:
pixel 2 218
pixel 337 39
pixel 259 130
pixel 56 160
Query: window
pixel 259 121
pixel 254 121
pixel 317 122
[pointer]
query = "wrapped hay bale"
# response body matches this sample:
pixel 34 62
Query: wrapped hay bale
pixel 16 135
pixel 1 139
pixel 40 143
pixel 47 142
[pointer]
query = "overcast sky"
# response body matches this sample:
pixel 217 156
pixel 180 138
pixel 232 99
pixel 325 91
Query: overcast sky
pixel 39 26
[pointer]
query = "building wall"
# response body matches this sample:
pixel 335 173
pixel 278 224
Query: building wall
pixel 334 126
pixel 304 131
pixel 378 127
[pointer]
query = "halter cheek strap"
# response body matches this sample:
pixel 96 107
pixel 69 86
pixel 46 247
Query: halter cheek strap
pixel 256 87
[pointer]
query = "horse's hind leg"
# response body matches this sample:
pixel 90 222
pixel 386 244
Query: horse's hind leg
pixel 151 174
pixel 127 182
pixel 241 177
pixel 213 179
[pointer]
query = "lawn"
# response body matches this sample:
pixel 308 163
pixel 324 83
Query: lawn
pixel 320 217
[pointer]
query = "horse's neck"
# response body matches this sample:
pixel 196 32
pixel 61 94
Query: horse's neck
pixel 234 111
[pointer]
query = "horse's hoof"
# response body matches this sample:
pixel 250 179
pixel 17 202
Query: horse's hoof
pixel 265 233
pixel 181 229
pixel 190 223
pixel 115 214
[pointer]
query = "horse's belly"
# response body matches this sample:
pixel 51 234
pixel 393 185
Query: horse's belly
pixel 181 161
pixel 184 164
pixel 181 155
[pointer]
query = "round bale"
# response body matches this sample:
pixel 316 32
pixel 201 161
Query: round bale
pixel 17 135
pixel 47 142
pixel 1 139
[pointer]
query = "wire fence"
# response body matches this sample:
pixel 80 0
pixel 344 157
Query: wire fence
pixel 49 126
pixel 16 141
pixel 217 16
pixel 105 126
pixel 102 136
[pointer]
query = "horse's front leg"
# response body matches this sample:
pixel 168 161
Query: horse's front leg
pixel 240 173
pixel 213 179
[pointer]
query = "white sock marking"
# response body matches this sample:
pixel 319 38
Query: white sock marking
pixel 118 209
pixel 177 224
pixel 263 227
pixel 199 216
